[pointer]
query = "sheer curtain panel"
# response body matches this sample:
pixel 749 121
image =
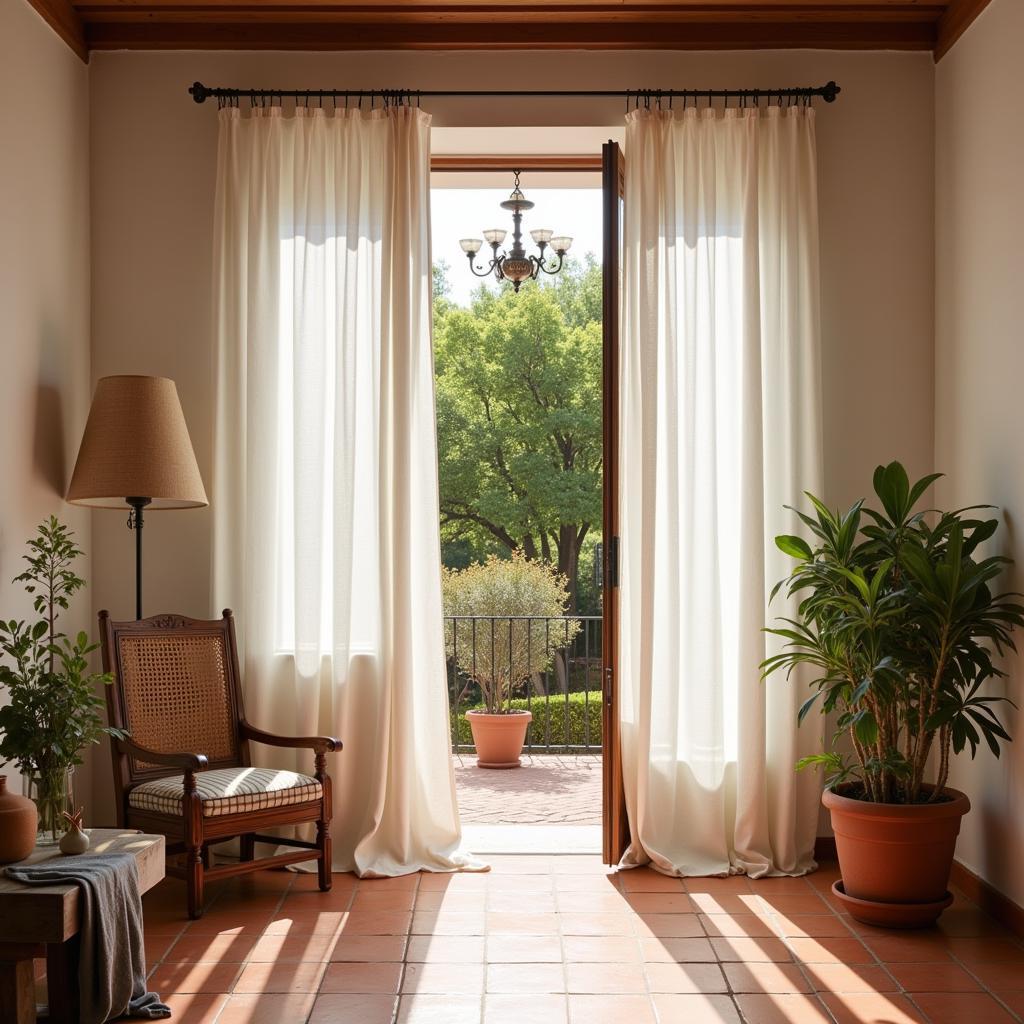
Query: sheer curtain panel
pixel 325 480
pixel 720 427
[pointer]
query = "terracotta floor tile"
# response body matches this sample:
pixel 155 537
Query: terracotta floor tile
pixel 608 902
pixel 307 881
pixel 1015 1001
pixel 695 1009
pixel 280 977
pixel 787 903
pixel 782 1009
pixel 383 899
pixel 373 922
pixel 893 948
pixel 456 922
pixel 452 949
pixel 647 880
pixel 598 924
pixel 814 926
pixel 999 977
pixel 982 950
pixel 206 978
pixel 863 978
pixel 156 948
pixel 826 950
pixel 780 884
pixel 226 948
pixel 521 883
pixel 427 1009
pixel 619 979
pixel 676 950
pixel 661 903
pixel 451 902
pixel 583 949
pixel 398 883
pixel 768 978
pixel 737 924
pixel 961 1007
pixel 581 863
pixel 509 901
pixel 459 881
pixel 521 864
pixel 827 873
pixel 731 886
pixel 368 948
pixel 531 1009
pixel 969 920
pixel 362 978
pixel 194 1007
pixel 268 1008
pixel 522 924
pixel 610 1009
pixel 751 950
pixel 668 926
pixel 684 978
pixel 444 979
pixel 524 949
pixel 859 1008
pixel 722 903
pixel 305 901
pixel 512 979
pixel 306 922
pixel 352 1009
pixel 226 903
pixel 236 922
pixel 587 883
pixel 314 946
pixel 941 977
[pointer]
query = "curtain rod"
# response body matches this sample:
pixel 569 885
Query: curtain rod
pixel 200 93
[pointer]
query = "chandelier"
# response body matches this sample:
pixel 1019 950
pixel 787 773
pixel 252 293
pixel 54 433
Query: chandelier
pixel 516 265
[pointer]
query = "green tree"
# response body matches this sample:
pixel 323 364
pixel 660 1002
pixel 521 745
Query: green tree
pixel 519 419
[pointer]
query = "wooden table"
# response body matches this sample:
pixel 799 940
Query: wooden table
pixel 43 921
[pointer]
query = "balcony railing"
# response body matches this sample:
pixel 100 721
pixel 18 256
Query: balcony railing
pixel 553 664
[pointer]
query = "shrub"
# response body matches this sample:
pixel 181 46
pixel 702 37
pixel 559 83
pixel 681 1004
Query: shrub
pixel 583 714
pixel 509 599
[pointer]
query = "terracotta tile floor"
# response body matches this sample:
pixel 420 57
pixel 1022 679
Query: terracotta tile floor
pixel 562 940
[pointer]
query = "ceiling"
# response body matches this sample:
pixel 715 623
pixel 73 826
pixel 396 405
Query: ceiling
pixel 89 25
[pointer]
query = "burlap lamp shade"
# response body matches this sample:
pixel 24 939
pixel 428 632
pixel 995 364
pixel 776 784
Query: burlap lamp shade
pixel 136 452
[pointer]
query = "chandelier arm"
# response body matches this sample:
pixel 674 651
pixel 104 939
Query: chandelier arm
pixel 555 269
pixel 484 273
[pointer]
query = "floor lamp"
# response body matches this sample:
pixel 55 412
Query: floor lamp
pixel 136 452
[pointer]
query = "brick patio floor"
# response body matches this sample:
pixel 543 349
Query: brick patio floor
pixel 549 789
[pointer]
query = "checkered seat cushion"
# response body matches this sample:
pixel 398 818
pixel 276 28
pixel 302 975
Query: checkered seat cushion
pixel 227 791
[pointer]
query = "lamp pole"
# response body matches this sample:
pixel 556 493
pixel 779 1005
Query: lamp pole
pixel 135 523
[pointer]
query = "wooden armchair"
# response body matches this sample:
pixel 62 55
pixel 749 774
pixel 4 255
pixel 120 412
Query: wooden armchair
pixel 185 772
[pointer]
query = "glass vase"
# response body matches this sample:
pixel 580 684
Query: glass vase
pixel 53 794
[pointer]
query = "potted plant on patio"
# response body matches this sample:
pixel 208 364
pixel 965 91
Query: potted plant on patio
pixel 497 635
pixel 899 621
pixel 52 709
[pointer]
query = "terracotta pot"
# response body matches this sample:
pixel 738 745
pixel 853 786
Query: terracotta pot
pixel 895 859
pixel 18 820
pixel 498 738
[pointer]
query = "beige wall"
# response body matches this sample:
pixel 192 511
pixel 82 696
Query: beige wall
pixel 979 431
pixel 44 291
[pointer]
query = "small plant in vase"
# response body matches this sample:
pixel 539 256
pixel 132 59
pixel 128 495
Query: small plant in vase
pixel 52 711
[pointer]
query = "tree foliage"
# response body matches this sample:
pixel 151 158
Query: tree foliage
pixel 519 419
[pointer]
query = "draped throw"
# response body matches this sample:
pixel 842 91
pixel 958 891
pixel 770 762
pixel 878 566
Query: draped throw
pixel 720 428
pixel 325 480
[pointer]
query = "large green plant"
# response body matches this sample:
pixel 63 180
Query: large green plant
pixel 497 627
pixel 897 615
pixel 52 710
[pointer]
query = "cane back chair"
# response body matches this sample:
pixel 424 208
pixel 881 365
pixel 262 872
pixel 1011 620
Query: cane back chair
pixel 185 770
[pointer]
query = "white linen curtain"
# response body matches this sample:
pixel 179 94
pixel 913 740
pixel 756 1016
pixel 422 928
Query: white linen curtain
pixel 720 427
pixel 325 480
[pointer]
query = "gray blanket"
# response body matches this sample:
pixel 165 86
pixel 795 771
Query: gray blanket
pixel 112 964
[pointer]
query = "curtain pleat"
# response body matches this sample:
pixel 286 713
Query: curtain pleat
pixel 720 428
pixel 325 482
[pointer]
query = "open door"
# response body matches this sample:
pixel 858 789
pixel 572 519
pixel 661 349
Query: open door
pixel 616 824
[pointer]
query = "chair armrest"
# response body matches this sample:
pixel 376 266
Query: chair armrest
pixel 186 762
pixel 319 744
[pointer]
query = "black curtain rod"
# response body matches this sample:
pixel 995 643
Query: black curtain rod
pixel 200 93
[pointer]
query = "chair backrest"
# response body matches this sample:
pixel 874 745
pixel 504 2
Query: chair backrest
pixel 175 690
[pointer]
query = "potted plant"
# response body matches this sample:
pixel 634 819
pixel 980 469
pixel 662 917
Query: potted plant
pixel 898 618
pixel 497 635
pixel 52 710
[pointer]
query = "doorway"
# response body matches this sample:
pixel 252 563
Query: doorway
pixel 523 440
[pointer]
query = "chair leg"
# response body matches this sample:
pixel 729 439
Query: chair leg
pixel 194 881
pixel 323 867
pixel 247 847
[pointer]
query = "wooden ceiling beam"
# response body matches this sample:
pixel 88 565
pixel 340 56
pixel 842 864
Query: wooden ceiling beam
pixel 954 22
pixel 332 35
pixel 66 22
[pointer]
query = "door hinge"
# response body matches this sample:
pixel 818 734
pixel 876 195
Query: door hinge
pixel 613 561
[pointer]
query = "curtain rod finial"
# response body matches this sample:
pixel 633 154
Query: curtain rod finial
pixel 830 92
pixel 199 92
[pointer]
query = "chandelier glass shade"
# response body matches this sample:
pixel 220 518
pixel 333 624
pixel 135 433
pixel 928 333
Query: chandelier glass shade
pixel 516 265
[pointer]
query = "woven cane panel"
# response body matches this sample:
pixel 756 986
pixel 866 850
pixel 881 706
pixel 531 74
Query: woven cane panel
pixel 177 695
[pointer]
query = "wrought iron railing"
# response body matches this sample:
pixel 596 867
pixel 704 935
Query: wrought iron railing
pixel 553 664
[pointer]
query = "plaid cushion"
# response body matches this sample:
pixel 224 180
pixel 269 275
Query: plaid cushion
pixel 227 791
